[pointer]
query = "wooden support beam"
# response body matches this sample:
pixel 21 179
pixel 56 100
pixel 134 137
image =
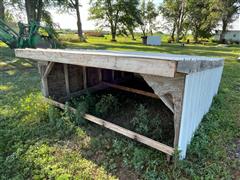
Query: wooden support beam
pixel 48 69
pixel 44 70
pixel 113 75
pixel 66 79
pixel 140 138
pixel 100 74
pixel 132 90
pixel 92 89
pixel 84 77
pixel 165 100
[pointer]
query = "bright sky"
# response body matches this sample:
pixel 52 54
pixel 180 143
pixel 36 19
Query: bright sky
pixel 67 21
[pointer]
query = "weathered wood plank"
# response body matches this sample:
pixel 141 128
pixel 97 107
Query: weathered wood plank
pixel 44 83
pixel 66 79
pixel 164 99
pixel 48 69
pixel 128 89
pixel 84 78
pixel 75 78
pixel 92 89
pixel 120 63
pixel 140 138
pixel 57 82
pixel 189 67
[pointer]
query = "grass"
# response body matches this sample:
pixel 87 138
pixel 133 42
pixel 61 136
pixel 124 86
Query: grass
pixel 41 142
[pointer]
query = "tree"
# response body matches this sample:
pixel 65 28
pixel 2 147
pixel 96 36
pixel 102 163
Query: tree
pixel 203 17
pixel 151 16
pixel 108 13
pixel 73 5
pixel 2 10
pixel 130 18
pixel 148 15
pixel 228 10
pixel 175 11
pixel 34 9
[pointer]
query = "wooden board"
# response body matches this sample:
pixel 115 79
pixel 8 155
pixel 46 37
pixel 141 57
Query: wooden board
pixel 138 62
pixel 138 137
pixel 129 64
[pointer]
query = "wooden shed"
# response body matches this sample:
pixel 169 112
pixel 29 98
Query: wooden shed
pixel 185 84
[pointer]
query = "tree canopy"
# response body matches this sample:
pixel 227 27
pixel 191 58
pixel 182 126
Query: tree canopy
pixel 111 13
pixel 73 5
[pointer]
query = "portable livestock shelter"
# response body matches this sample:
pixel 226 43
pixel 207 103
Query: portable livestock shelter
pixel 185 84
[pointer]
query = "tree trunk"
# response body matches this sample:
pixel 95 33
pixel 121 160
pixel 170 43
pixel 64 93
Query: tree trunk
pixel 132 34
pixel 79 23
pixel 31 15
pixel 196 36
pixel 2 10
pixel 173 31
pixel 113 35
pixel 178 35
pixel 144 32
pixel 224 29
pixel 151 32
pixel 39 11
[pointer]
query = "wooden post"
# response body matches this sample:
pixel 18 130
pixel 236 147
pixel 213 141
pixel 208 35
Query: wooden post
pixel 66 79
pixel 175 87
pixel 44 69
pixel 84 77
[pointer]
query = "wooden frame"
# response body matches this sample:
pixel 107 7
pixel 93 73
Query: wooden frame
pixel 173 79
pixel 103 85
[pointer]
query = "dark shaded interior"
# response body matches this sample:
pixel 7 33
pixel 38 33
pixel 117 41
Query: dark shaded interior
pixel 128 102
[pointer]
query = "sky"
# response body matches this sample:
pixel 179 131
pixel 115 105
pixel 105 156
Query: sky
pixel 67 21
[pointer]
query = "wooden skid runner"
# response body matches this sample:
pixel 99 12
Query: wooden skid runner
pixel 140 138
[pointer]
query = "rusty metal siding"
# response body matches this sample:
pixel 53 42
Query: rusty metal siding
pixel 200 88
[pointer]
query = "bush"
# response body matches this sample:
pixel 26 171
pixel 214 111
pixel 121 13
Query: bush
pixel 141 120
pixel 146 124
pixel 107 104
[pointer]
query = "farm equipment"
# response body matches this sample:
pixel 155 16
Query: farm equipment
pixel 30 35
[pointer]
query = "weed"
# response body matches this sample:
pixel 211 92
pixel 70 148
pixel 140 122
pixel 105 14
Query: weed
pixel 82 109
pixel 141 120
pixel 107 104
pixel 147 124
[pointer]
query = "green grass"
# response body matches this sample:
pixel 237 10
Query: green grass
pixel 40 142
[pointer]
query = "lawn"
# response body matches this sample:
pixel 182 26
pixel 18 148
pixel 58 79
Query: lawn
pixel 40 142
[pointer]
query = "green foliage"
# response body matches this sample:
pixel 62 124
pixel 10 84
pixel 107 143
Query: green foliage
pixel 116 14
pixel 175 12
pixel 145 123
pixel 67 165
pixel 148 15
pixel 141 120
pixel 203 17
pixel 107 104
pixel 228 13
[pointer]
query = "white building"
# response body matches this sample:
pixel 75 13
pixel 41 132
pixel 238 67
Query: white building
pixel 154 40
pixel 231 35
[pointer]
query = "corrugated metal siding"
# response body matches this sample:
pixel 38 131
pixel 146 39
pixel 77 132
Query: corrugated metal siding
pixel 200 88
